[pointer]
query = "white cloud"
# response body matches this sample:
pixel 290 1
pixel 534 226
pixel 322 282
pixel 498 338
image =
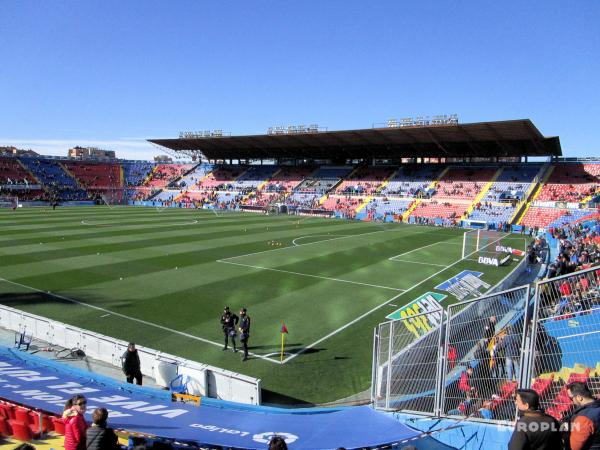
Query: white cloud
pixel 125 148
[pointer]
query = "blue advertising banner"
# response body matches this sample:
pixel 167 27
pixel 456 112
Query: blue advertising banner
pixel 31 381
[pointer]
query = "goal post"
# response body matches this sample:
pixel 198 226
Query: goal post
pixel 113 197
pixel 479 241
pixel 9 201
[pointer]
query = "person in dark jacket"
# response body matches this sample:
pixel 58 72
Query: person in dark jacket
pixel 244 331
pixel 98 436
pixel 534 430
pixel 584 422
pixel 131 364
pixel 229 321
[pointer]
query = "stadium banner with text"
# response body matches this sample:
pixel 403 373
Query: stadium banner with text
pixel 413 317
pixel 26 380
pixel 467 282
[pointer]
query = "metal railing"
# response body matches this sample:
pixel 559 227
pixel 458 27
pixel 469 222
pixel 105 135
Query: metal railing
pixel 482 354
pixel 407 363
pixel 565 337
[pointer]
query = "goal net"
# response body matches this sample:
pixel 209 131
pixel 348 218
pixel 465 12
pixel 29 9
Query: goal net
pixel 113 197
pixel 478 242
pixel 9 201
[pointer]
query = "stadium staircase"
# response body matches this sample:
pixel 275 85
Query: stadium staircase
pixel 519 209
pixel 150 176
pixel 418 201
pixel 31 174
pixel 259 188
pixel 482 193
pixel 519 216
pixel 380 188
pixel 70 174
pixel 122 175
pixel 589 198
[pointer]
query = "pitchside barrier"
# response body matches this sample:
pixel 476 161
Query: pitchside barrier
pixel 566 337
pixel 428 374
pixel 203 379
pixel 486 336
pixel 491 345
pixel 407 363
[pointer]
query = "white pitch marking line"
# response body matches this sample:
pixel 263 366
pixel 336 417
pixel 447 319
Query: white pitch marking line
pixel 377 307
pixel 393 258
pixel 342 328
pixel 105 315
pixel 317 235
pixel 310 275
pixel 418 231
pixel 418 262
pixel 134 319
pixel 302 245
pixel 83 222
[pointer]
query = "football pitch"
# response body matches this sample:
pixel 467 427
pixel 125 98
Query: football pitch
pixel 162 277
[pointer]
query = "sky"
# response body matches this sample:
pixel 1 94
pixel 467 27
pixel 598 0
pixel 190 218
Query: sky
pixel 113 73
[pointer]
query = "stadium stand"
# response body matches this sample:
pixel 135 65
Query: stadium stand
pixel 412 181
pixel 13 173
pixel 136 172
pixel 571 182
pixel 221 178
pixel 55 179
pixel 254 177
pixel 365 180
pixel 164 174
pixel 286 179
pixel 513 183
pixel 433 209
pixel 194 176
pixel 380 207
pixel 323 180
pixel 463 183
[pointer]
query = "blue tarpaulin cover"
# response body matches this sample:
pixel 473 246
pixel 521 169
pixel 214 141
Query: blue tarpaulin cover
pixel 46 385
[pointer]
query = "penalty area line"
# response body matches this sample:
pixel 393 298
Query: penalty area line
pixel 133 319
pixel 311 276
pixel 333 333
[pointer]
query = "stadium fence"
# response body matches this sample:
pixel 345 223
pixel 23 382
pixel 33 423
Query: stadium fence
pixel 565 338
pixel 510 339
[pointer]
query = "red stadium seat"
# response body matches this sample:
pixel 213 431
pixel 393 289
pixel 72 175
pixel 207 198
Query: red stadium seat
pixel 5 428
pixel 35 422
pixel 6 412
pixel 22 431
pixel 59 425
pixel 541 385
pixel 22 415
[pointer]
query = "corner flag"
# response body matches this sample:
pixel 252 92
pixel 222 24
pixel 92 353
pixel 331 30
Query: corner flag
pixel 284 331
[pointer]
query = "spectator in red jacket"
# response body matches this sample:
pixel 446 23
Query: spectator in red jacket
pixel 464 383
pixel 75 425
pixel 451 356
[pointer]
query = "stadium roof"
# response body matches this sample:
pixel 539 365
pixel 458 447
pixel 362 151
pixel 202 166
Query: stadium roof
pixel 482 139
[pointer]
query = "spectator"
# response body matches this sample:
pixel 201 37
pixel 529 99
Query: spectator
pixel 451 357
pixel 131 364
pixel 464 383
pixel 75 425
pixel 584 424
pixel 277 443
pixel 24 447
pixel 98 436
pixel 534 429
pixel 512 353
pixel 490 329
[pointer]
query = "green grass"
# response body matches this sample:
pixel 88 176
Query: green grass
pixel 180 267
